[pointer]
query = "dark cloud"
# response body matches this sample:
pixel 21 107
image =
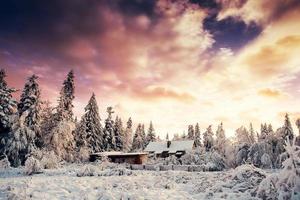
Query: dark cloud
pixel 230 33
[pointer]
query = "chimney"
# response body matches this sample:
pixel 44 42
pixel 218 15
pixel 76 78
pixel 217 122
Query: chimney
pixel 168 144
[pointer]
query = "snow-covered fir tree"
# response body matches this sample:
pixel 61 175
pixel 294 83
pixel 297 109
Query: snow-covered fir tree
pixel 197 136
pixel 286 183
pixel 65 102
pixel 109 136
pixel 208 140
pixel 167 137
pixel 8 107
pixel 297 141
pixel 47 123
pixel 138 143
pixel 127 141
pixel 143 133
pixel 242 135
pixel 151 137
pixel 287 131
pixel 119 134
pixel 263 132
pixel 22 139
pixel 89 132
pixel 191 132
pixel 62 135
pixel 251 134
pixel 220 140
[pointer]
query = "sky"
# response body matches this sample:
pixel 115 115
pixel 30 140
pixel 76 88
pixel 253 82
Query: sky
pixel 173 62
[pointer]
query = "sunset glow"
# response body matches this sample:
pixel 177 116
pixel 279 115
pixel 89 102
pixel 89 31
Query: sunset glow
pixel 173 62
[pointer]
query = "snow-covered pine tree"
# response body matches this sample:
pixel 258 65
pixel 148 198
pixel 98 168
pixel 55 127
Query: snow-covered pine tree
pixel 208 140
pixel 62 135
pixel 297 141
pixel 167 137
pixel 286 183
pixel 47 123
pixel 242 135
pixel 251 134
pixel 138 143
pixel 151 137
pixel 21 140
pixel 8 107
pixel 89 132
pixel 263 132
pixel 109 136
pixel 127 141
pixel 119 134
pixel 197 136
pixel 65 102
pixel 143 133
pixel 191 132
pixel 287 132
pixel 220 140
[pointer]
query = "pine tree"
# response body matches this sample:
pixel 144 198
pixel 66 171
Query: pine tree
pixel 151 137
pixel 89 132
pixel 242 135
pixel 119 134
pixel 143 134
pixel 128 136
pixel 287 133
pixel 22 139
pixel 62 135
pixel 47 123
pixel 220 139
pixel 197 136
pixel 138 143
pixel 167 137
pixel 208 138
pixel 251 134
pixel 109 136
pixel 8 107
pixel 191 132
pixel 297 141
pixel 263 132
pixel 65 102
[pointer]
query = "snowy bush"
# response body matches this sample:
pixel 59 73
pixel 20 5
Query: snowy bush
pixel 266 161
pixel 4 163
pixel 49 160
pixel 245 177
pixel 87 170
pixel 286 183
pixel 62 141
pixel 32 166
pixel 211 161
pixel 119 171
pixel 83 155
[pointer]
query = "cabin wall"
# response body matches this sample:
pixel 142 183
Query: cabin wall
pixel 139 159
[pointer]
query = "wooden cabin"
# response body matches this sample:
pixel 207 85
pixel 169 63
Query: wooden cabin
pixel 120 157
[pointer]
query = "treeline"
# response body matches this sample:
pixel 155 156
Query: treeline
pixel 265 149
pixel 31 124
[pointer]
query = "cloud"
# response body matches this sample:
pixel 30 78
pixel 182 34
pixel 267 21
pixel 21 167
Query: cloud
pixel 271 93
pixel 164 93
pixel 261 12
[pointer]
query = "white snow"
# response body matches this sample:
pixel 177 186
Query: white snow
pixel 93 181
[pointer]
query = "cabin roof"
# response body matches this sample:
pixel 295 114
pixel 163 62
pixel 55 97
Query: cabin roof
pixel 175 146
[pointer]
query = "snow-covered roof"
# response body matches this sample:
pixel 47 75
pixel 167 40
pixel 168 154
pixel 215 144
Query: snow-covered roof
pixel 159 147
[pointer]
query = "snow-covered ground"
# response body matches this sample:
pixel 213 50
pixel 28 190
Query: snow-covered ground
pixel 94 182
